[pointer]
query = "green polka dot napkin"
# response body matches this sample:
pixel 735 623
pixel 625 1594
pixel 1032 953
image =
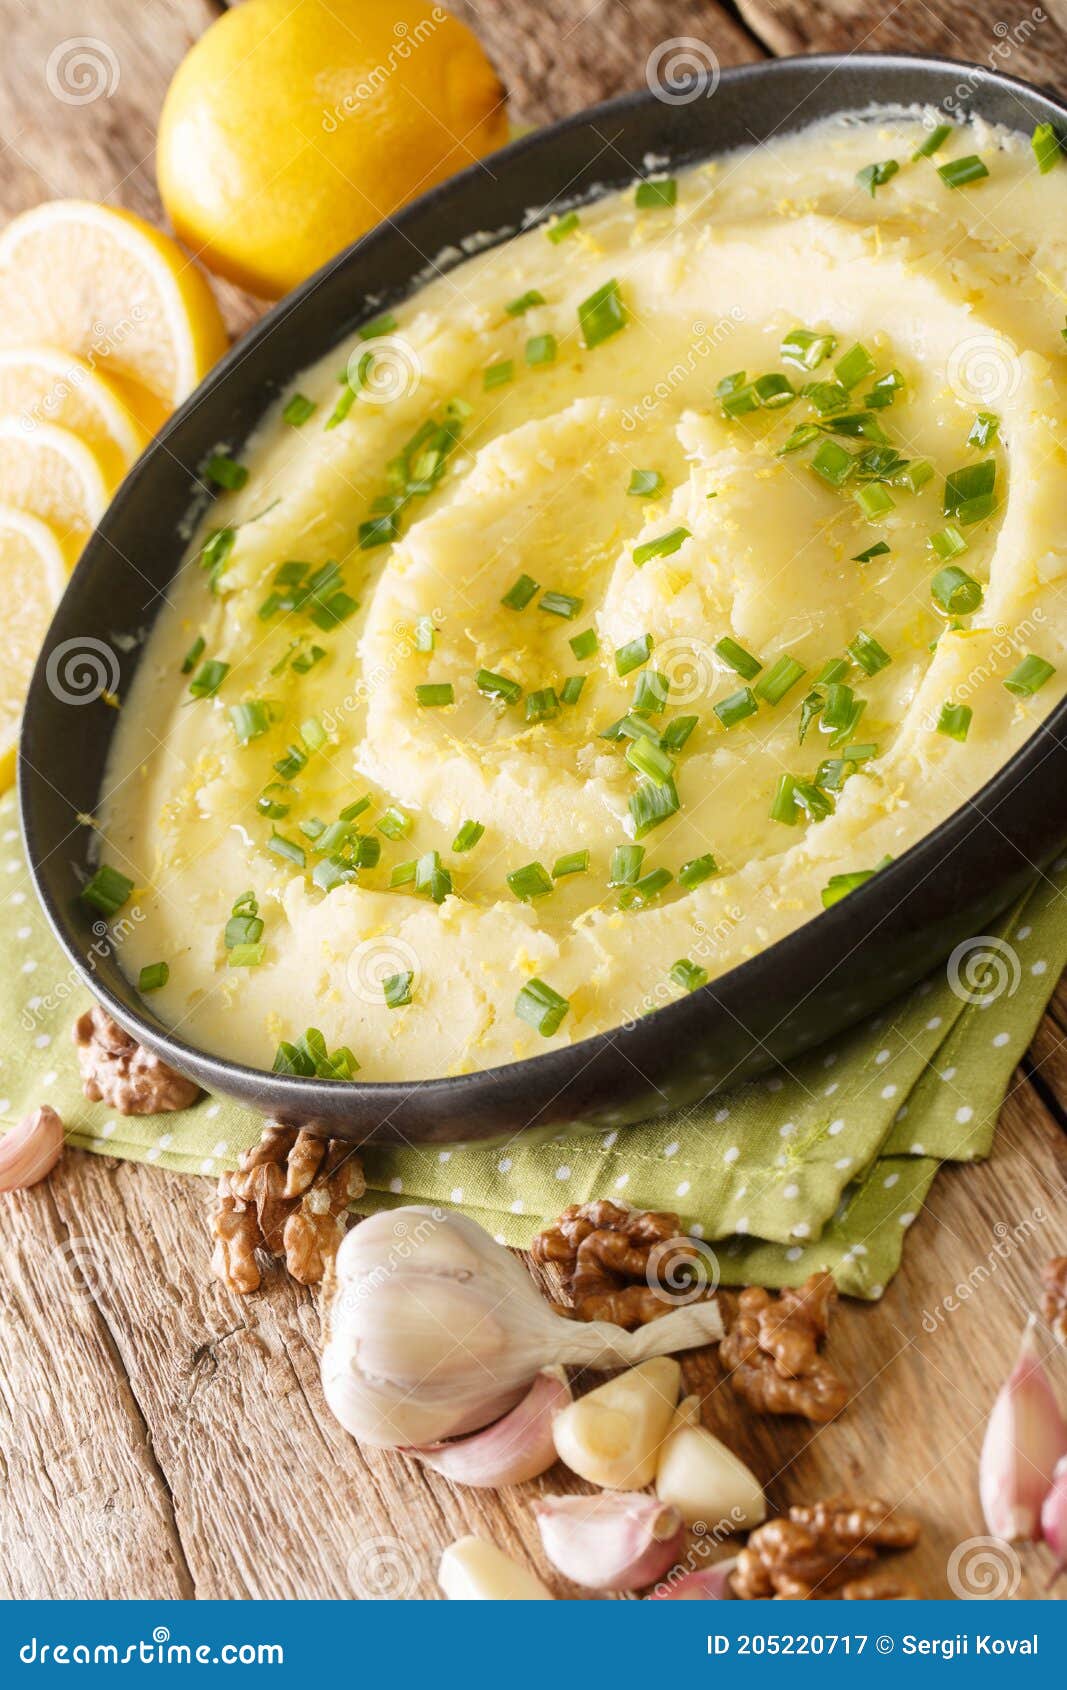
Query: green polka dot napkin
pixel 825 1165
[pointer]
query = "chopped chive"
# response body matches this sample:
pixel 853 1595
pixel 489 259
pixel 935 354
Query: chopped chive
pixel 226 472
pixel 874 176
pixel 344 404
pixel 273 807
pixel 738 396
pixel 663 547
pixel 1046 146
pixel 560 604
pixel 397 989
pixel 208 678
pixel 334 611
pixel 955 720
pixel 541 349
pixel 403 874
pixel 496 375
pixel 425 633
pixel 626 863
pixel 774 390
pixel 838 707
pixel 677 732
pixel 525 302
pixel 734 709
pixel 385 324
pixel 216 549
pixel 697 870
pixel 783 808
pixel 631 655
pixel 810 707
pixel 815 804
pixel 394 823
pixel 292 763
pixel 969 495
pixel 193 655
pixel 960 171
pixel 561 227
pixel 298 409
pixel 529 882
pixel 468 836
pixel 541 1007
pixel 642 892
pixel 866 651
pixel 983 429
pixel 432 878
pixel 651 803
pixel 649 759
pixel 245 956
pixel 957 593
pixel 874 500
pixel 738 659
pixel 650 693
pixel 689 975
pixel 602 314
pixel 519 596
pixel 313 733
pixel 800 437
pixel 835 669
pixel 828 397
pixel 948 542
pixel 497 686
pixel 306 660
pixel 584 644
pixel 571 690
pixel 1030 675
pixel 840 885
pixel 287 848
pixel 833 463
pixel 644 483
pixel 574 862
pixel 351 811
pixel 106 890
pixel 779 679
pixel 542 706
pixel 249 720
pixel 936 139
pixel 431 695
pixel 806 349
pixel 879 549
pixel 650 195
pixel 856 363
pixel 885 390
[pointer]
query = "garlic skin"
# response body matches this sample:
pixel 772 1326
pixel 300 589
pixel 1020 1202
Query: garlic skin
pixel 1054 1517
pixel 612 1436
pixel 1025 1438
pixel 472 1570
pixel 516 1448
pixel 704 1479
pixel 31 1150
pixel 708 1584
pixel 615 1541
pixel 435 1330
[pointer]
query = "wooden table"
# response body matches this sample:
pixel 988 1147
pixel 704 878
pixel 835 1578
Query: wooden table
pixel 162 1438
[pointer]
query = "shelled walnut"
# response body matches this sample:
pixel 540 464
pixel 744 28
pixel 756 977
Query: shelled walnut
pixel 289 1195
pixel 1054 1301
pixel 118 1071
pixel 619 1264
pixel 827 1549
pixel 772 1350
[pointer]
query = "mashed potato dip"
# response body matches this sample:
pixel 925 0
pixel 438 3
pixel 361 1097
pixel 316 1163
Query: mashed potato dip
pixel 635 591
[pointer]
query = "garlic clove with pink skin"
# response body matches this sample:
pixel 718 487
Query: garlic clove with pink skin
pixel 511 1450
pixel 708 1584
pixel 31 1150
pixel 1025 1438
pixel 616 1541
pixel 1054 1518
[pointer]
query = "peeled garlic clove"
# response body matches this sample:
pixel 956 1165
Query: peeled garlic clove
pixel 612 1436
pixel 709 1584
pixel 1054 1517
pixel 1025 1438
pixel 512 1450
pixel 31 1150
pixel 474 1571
pixel 703 1479
pixel 610 1542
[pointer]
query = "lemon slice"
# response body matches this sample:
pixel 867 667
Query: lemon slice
pixel 33 573
pixel 104 284
pixel 40 384
pixel 48 472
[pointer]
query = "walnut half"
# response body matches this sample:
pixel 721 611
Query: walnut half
pixel 830 1548
pixel 618 1264
pixel 773 1353
pixel 118 1071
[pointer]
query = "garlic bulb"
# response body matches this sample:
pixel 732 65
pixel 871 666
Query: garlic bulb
pixel 615 1541
pixel 433 1329
pixel 1025 1438
pixel 31 1150
pixel 511 1450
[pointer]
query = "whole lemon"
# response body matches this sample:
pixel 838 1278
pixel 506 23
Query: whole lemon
pixel 293 126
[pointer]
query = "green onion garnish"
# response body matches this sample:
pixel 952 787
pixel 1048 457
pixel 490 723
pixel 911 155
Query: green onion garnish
pixel 774 390
pixel 432 694
pixel 840 885
pixel 432 878
pixel 734 709
pixel 298 410
pixel 385 324
pixel 498 374
pixel 969 495
pixel 689 975
pixel 983 429
pixel 529 882
pixel 954 720
pixel 351 811
pixel 394 823
pixel 677 732
pixel 306 660
pixel 403 874
pixel 270 806
pixel 584 644
pixel 542 706
pixel 642 892
pixel 626 863
pixel 828 397
pixel 783 808
pixel 936 139
pixel 193 655
pixel 814 803
pixel 960 171
pixel 644 483
pixel 738 659
pixel 806 349
pixel 525 302
pixel 152 976
pixel 602 314
pixel 885 390
pixel 334 611
pixel 208 678
pixel 287 848
pixel 649 195
pixel 833 463
pixel 651 803
pixel 425 633
pixel 663 547
pixel 874 500
pixel 539 1005
pixel 631 655
pixel 879 549
pixel 292 763
pixel 216 549
pixel 738 395
pixel 468 836
pixel 313 733
pixel 498 686
pixel 561 227
pixel 957 593
pixel 226 472
pixel 1031 674
pixel 854 366
pixel 837 712
pixel 560 604
pixel 397 988
pixel 649 759
pixel 245 956
pixel 697 870
pixel 575 862
pixel 810 707
pixel 541 349
pixel 779 679
pixel 309 1057
pixel 1046 145
pixel 650 693
pixel 874 176
pixel 519 596
pixel 249 720
pixel 947 542
pixel 866 651
pixel 571 690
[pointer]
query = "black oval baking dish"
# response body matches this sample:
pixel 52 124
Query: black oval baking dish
pixel 809 986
